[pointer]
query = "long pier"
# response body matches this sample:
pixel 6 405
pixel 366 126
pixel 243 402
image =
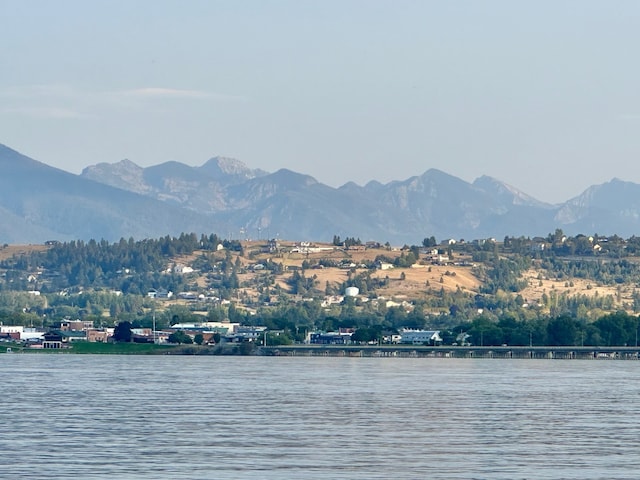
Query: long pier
pixel 420 351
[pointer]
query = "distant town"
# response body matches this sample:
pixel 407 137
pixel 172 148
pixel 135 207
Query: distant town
pixel 207 291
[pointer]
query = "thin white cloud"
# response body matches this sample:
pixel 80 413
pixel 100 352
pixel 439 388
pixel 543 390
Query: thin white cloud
pixel 57 91
pixel 65 102
pixel 161 92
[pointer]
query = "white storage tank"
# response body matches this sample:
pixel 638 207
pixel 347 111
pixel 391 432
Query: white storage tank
pixel 351 291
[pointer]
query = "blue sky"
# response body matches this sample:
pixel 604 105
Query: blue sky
pixel 542 95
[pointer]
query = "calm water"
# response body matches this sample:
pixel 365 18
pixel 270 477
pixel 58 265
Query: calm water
pixel 90 417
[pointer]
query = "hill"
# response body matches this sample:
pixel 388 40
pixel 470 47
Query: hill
pixel 557 289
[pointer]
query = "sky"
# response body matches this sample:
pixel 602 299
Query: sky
pixel 543 95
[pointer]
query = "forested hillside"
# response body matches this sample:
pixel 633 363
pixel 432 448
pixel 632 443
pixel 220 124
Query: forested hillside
pixel 545 290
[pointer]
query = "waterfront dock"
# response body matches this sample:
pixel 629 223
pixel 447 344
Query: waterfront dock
pixel 419 351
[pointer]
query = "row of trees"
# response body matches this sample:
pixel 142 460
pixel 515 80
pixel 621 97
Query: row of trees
pixel 615 329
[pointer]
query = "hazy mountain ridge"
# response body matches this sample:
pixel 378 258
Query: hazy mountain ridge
pixel 224 196
pixel 54 204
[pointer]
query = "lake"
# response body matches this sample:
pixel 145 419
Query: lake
pixel 181 417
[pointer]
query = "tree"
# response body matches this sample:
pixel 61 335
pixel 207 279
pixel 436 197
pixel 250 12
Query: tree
pixel 429 242
pixel 618 328
pixel 122 332
pixel 179 337
pixel 365 334
pixel 562 330
pixel 199 338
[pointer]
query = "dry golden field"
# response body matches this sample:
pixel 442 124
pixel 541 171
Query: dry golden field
pixel 539 285
pixel 418 280
pixel 9 251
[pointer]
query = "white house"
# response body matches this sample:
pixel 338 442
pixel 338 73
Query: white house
pixel 420 337
pixel 182 269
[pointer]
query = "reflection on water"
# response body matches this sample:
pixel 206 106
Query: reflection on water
pixel 138 417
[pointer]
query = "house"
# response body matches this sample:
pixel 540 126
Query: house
pixel 420 337
pixel 161 293
pixel 188 295
pixel 31 335
pixel 182 269
pixel 330 338
pixel 61 339
pixel 76 325
pixel 99 335
pixel 52 339
pixel 273 246
pixel 390 337
pixel 246 333
pixel 212 327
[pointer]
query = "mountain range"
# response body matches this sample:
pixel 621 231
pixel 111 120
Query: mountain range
pixel 224 196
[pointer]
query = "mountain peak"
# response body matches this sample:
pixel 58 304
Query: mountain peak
pixel 218 167
pixel 290 178
pixel 225 193
pixel 123 174
pixel 511 194
pixel 123 166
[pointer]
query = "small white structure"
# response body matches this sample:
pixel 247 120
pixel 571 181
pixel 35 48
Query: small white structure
pixel 182 269
pixel 351 292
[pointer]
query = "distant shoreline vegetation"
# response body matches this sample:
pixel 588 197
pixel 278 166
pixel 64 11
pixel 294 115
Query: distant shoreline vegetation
pixel 553 290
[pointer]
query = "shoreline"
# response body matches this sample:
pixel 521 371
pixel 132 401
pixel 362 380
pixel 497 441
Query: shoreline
pixel 347 351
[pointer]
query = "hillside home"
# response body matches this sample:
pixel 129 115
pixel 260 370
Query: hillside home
pixel 188 296
pixel 538 246
pixel 160 294
pixel 273 246
pixel 182 269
